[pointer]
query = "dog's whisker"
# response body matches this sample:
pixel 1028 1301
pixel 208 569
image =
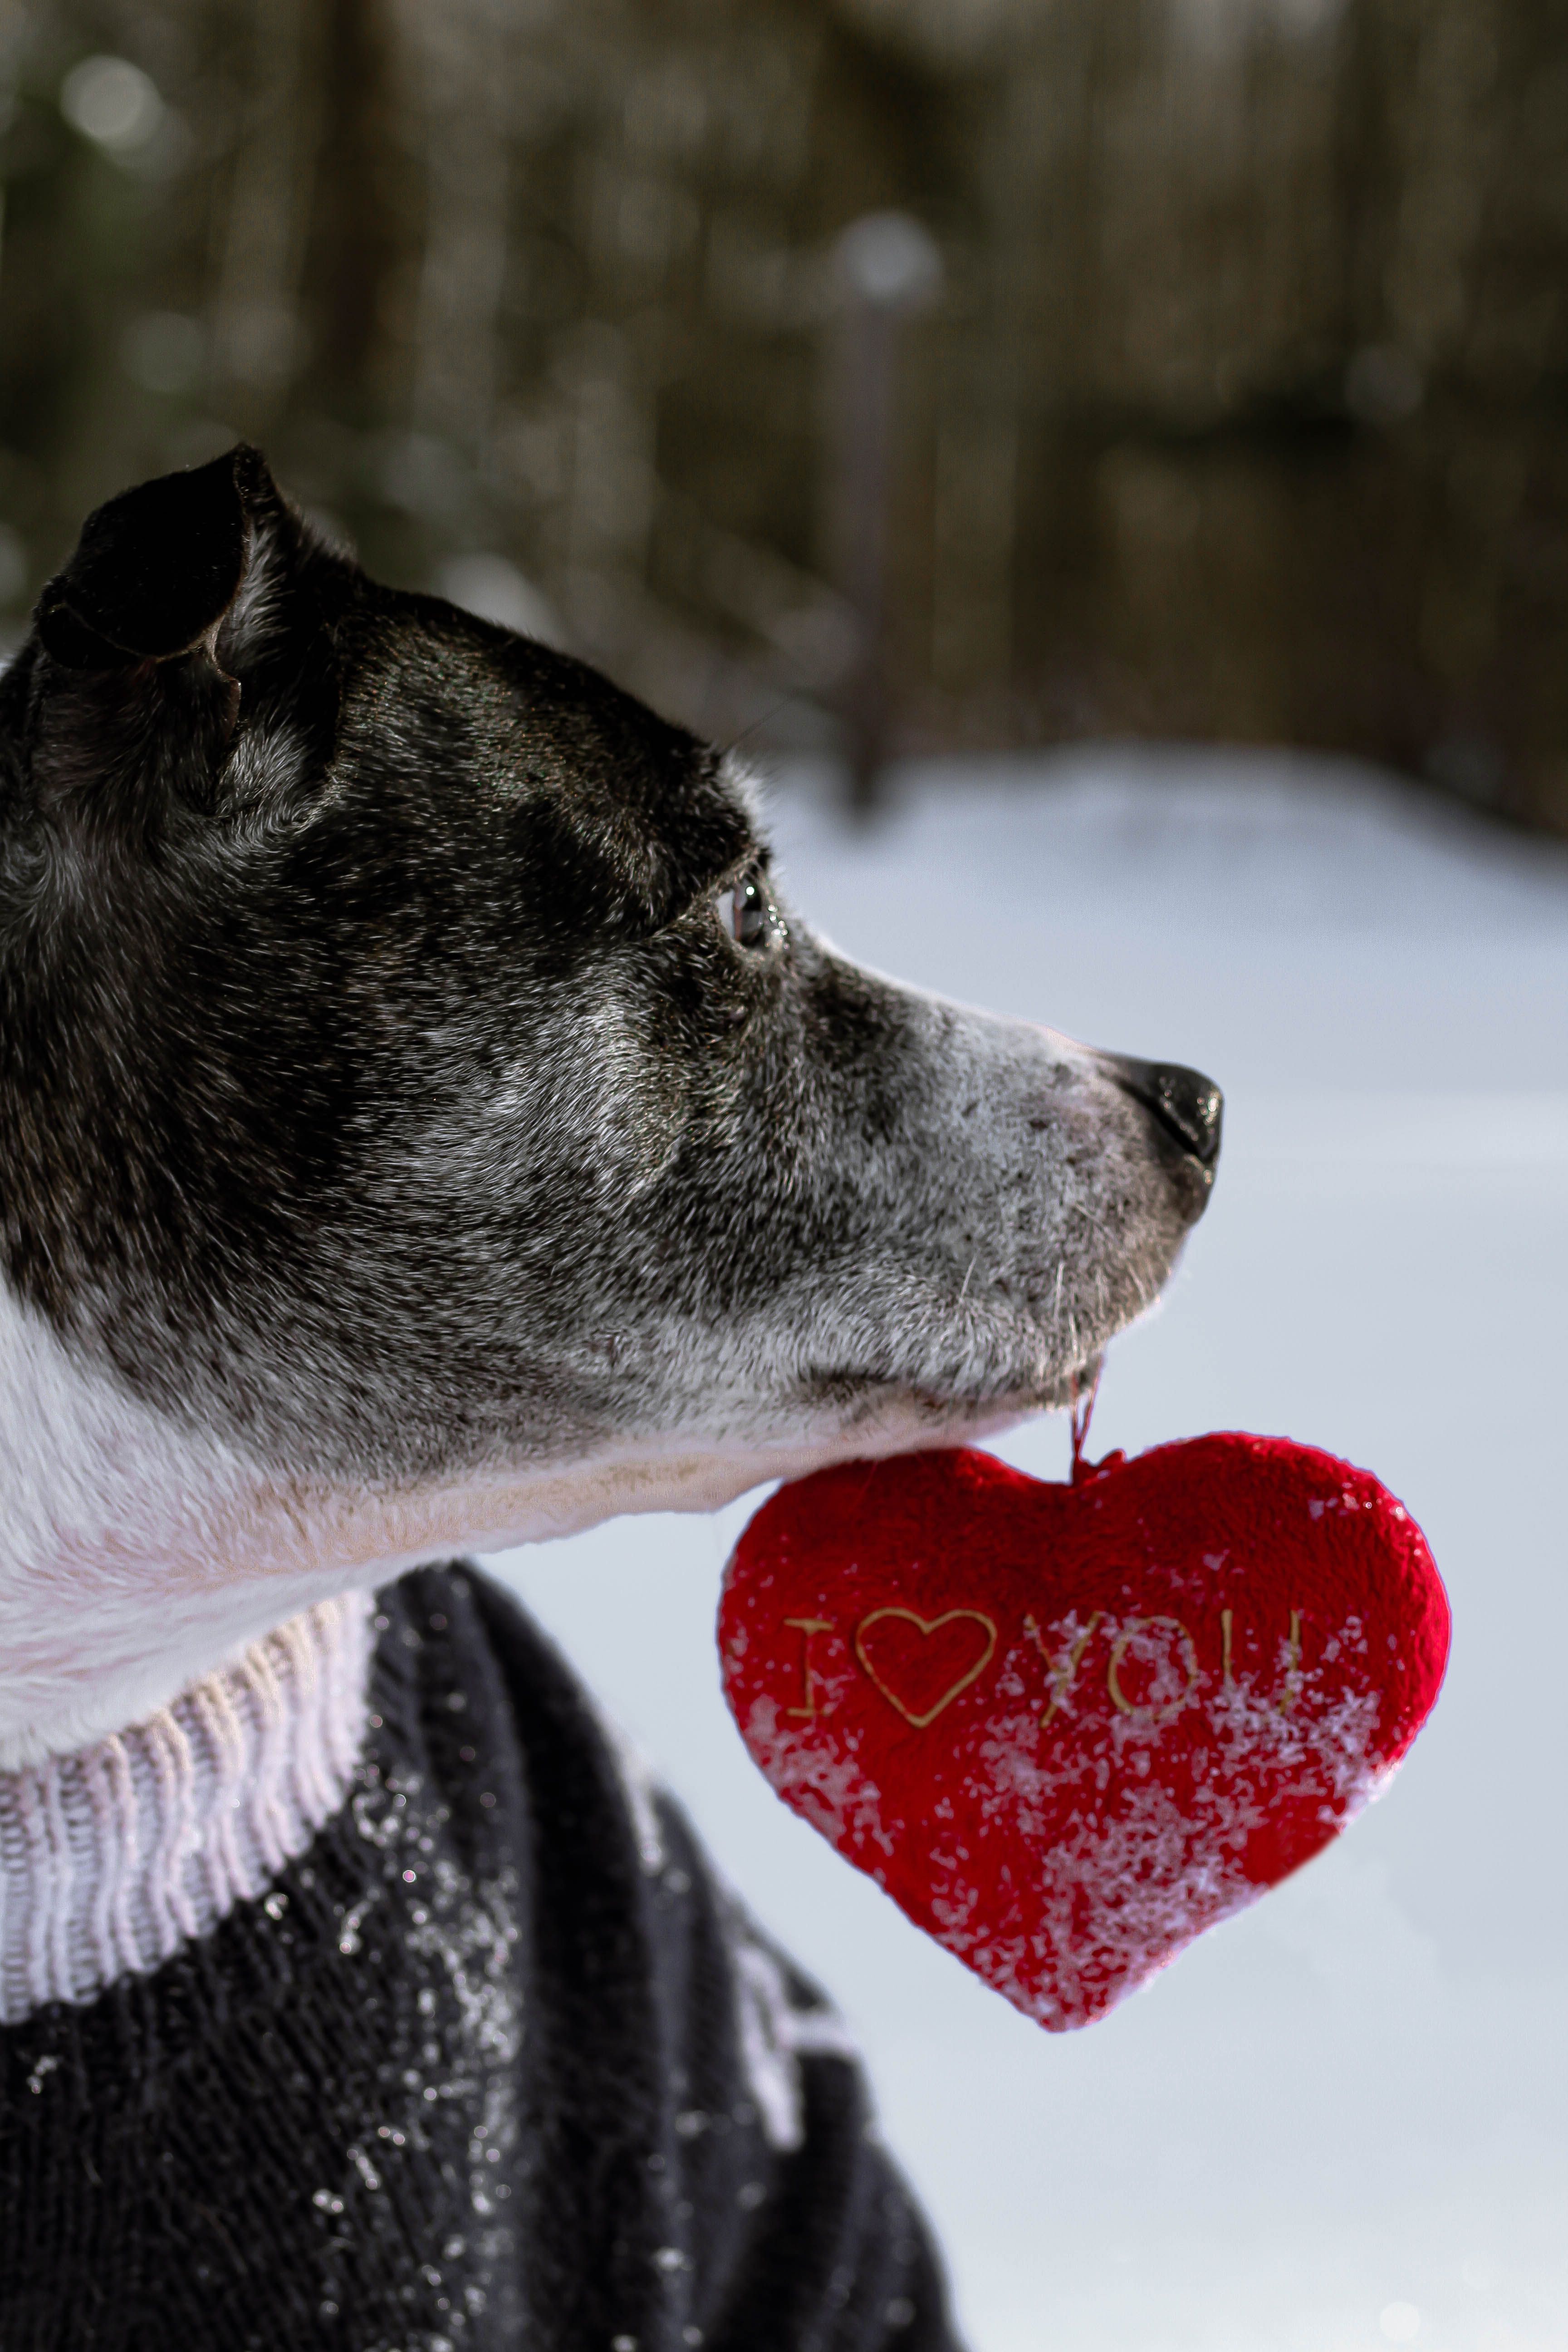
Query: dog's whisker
pixel 764 718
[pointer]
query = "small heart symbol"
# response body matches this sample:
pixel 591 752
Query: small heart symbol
pixel 921 1667
pixel 1068 1727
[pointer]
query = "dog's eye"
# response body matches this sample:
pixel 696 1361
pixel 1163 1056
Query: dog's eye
pixel 749 912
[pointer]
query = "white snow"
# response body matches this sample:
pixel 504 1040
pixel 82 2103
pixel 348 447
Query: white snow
pixel 1341 2119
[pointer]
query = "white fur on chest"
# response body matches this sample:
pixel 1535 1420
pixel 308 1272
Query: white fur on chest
pixel 94 1490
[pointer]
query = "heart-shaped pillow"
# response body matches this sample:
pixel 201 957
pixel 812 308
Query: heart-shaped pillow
pixel 1067 1727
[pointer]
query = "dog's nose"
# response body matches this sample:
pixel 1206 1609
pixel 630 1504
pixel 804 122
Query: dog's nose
pixel 1189 1107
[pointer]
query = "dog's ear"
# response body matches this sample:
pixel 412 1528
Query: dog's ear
pixel 156 568
pixel 181 596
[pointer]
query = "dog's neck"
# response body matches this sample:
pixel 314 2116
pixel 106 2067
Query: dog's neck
pixel 139 1557
pixel 121 1538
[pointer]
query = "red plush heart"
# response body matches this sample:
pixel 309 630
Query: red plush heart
pixel 1068 1727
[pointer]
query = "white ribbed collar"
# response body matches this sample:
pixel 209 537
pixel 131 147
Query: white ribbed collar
pixel 113 1857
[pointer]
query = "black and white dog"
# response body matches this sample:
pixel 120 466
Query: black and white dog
pixel 423 1129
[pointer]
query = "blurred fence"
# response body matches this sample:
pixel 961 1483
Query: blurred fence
pixel 1233 402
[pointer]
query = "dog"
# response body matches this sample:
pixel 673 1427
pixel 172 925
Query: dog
pixel 424 1128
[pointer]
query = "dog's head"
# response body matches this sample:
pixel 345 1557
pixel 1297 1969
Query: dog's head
pixel 412 1086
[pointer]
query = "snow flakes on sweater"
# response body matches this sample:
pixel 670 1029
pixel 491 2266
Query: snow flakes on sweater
pixel 467 2074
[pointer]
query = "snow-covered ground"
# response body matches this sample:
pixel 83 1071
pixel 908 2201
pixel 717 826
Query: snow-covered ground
pixel 1341 2120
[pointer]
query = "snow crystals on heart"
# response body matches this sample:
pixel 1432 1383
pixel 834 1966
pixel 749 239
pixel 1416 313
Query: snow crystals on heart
pixel 1064 1791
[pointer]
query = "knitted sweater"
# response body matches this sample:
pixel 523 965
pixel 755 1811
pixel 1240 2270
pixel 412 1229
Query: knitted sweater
pixel 366 1999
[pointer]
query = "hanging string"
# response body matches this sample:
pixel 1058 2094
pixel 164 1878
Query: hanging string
pixel 1082 1414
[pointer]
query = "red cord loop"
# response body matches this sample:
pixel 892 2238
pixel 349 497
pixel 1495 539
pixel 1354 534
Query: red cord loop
pixel 1082 1414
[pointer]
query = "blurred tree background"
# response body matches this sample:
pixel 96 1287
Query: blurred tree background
pixel 1209 377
